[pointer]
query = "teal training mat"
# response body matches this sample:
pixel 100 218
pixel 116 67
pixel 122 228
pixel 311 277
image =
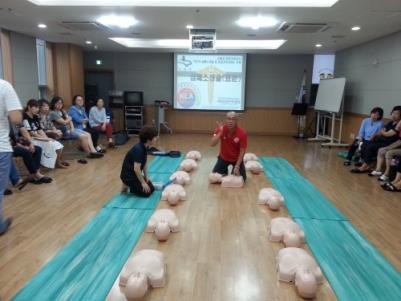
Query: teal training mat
pixel 164 164
pixel 87 266
pixel 356 270
pixel 302 199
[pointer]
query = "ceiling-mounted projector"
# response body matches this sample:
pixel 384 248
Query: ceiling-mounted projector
pixel 202 40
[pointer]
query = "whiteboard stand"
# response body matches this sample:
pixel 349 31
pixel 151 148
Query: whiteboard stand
pixel 321 135
pixel 330 108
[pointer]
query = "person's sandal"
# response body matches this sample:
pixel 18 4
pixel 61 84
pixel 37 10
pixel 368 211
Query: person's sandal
pixel 390 187
pixel 21 185
pixel 357 170
pixel 82 161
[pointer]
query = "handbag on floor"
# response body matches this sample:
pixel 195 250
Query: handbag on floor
pixel 121 138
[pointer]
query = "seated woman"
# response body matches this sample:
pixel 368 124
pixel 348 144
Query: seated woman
pixel 30 153
pixel 369 127
pixel 134 173
pixel 81 120
pixel 385 155
pixel 51 149
pixel 98 121
pixel 64 123
pixel 45 122
pixel 394 186
pixel 388 135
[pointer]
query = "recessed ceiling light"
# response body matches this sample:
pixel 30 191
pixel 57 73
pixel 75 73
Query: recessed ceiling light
pixel 355 28
pixel 318 45
pixel 257 22
pixel 88 42
pixel 41 25
pixel 189 26
pixel 185 43
pixel 117 21
pixel 190 3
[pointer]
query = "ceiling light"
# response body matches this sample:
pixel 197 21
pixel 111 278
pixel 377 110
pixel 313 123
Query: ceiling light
pixel 99 62
pixel 95 47
pixel 355 28
pixel 117 21
pixel 318 45
pixel 185 44
pixel 189 26
pixel 88 42
pixel 257 22
pixel 190 3
pixel 41 25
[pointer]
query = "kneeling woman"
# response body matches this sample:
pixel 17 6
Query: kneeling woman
pixel 134 172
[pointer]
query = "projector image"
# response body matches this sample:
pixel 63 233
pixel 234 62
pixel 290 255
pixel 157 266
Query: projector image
pixel 202 40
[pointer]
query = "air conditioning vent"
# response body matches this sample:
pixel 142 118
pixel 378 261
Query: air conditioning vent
pixel 83 26
pixel 303 27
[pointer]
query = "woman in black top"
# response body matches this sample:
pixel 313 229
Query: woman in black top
pixel 134 172
pixel 51 149
pixel 388 135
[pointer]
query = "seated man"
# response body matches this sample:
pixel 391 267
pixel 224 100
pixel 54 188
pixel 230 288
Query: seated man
pixel 233 142
pixel 369 128
pixel 388 135
pixel 134 172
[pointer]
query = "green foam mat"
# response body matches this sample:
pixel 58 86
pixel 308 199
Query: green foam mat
pixel 356 270
pixel 130 201
pixel 86 268
pixel 342 154
pixel 302 199
pixel 163 164
pixel 275 167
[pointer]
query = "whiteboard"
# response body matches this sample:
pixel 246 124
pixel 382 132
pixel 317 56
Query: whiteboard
pixel 330 95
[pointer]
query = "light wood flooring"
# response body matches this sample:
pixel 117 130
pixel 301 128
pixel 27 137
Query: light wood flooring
pixel 222 252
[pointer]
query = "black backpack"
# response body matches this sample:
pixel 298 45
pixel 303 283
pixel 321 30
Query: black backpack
pixel 121 138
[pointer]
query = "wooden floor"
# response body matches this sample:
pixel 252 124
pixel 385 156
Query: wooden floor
pixel 222 252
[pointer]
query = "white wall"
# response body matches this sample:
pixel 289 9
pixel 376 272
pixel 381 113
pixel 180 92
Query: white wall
pixel 373 72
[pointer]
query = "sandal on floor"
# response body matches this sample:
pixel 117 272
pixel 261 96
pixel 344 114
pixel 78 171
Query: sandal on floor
pixel 82 161
pixel 391 187
pixel 357 170
pixel 22 184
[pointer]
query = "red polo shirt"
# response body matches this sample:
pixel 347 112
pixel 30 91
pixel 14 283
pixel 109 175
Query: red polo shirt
pixel 230 145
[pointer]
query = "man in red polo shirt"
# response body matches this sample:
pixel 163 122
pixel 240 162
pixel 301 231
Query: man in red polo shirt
pixel 233 143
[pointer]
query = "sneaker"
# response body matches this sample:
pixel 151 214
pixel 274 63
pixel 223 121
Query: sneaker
pixel 383 178
pixel 375 173
pixel 6 225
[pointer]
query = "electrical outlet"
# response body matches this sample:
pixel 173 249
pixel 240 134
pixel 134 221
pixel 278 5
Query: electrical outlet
pixel 352 136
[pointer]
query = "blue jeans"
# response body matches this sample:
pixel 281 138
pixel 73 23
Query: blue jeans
pixel 5 161
pixel 14 175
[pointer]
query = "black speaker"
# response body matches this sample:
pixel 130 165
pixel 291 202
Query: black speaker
pixel 299 109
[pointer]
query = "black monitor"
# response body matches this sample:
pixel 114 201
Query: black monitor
pixel 133 98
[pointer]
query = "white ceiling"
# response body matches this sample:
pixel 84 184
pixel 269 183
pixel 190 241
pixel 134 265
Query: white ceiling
pixel 376 18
